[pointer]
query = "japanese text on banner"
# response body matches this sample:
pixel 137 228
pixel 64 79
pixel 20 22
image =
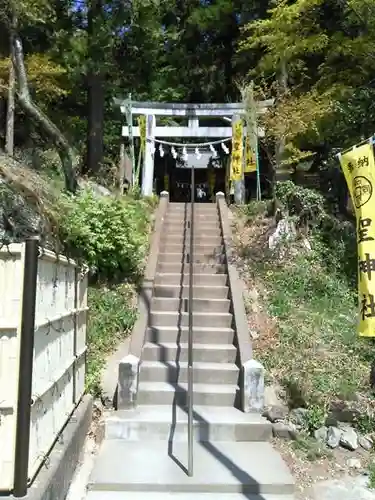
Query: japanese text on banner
pixel 250 160
pixel 359 169
pixel 237 151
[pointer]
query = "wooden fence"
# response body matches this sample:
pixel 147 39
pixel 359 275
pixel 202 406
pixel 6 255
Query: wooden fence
pixel 58 303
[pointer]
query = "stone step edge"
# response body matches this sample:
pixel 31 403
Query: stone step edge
pixel 198 365
pixel 185 345
pixel 183 386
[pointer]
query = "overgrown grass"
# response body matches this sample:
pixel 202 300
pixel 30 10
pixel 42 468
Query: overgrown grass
pixel 317 349
pixel 312 449
pixel 313 349
pixel 111 318
pixel 371 472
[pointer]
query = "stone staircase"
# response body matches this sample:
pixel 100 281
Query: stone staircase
pixel 144 454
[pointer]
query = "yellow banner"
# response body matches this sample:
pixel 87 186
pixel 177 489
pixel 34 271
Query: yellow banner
pixel 250 159
pixel 358 166
pixel 142 132
pixel 237 151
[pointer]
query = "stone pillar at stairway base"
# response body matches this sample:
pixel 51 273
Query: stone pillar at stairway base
pixel 253 386
pixel 128 382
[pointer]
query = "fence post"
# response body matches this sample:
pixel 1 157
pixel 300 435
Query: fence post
pixel 25 378
pixel 76 325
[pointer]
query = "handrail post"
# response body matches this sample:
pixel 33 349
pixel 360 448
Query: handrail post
pixel 190 341
pixel 25 377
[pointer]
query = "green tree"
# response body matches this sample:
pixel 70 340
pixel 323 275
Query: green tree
pixel 327 49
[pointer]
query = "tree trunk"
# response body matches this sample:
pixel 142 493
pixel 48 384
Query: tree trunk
pixel 66 153
pixel 95 126
pixel 121 170
pixel 95 95
pixel 9 134
pixel 280 145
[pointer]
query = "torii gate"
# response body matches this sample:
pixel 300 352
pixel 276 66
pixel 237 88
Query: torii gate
pixel 192 112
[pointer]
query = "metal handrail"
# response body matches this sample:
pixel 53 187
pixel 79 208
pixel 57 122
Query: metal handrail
pixel 190 339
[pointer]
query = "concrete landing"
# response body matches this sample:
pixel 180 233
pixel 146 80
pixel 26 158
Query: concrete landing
pixel 117 495
pixel 152 423
pixel 227 467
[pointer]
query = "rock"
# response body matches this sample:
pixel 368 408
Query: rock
pixel 365 443
pixel 306 244
pixel 272 396
pixel 321 434
pixel 349 438
pixel 284 430
pixel 276 413
pixel 96 189
pixel 298 416
pixel 333 437
pixel 354 463
pixel 341 411
pixel 343 488
pixel 285 231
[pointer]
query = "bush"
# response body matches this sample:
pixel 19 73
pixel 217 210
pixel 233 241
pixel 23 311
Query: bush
pixel 111 318
pixel 109 234
pixel 334 238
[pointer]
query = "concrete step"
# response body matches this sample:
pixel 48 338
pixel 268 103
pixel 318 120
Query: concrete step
pixel 199 305
pixel 119 495
pixel 172 372
pixel 220 467
pixel 198 258
pixel 198 279
pixel 165 334
pixel 187 213
pixel 179 267
pixel 205 353
pixel 198 247
pixel 199 218
pixel 199 239
pixel 182 225
pixel 198 207
pixel 216 320
pixel 197 204
pixel 153 423
pixel 201 227
pixel 197 212
pixel 164 393
pixel 199 291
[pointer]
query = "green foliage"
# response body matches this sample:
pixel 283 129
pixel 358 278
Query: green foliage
pixel 371 477
pixel 254 209
pixel 111 318
pixel 308 205
pixel 365 423
pixel 307 51
pixel 109 234
pixel 315 418
pixel 334 239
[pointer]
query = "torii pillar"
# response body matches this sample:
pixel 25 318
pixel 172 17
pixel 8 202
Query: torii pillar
pixel 148 162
